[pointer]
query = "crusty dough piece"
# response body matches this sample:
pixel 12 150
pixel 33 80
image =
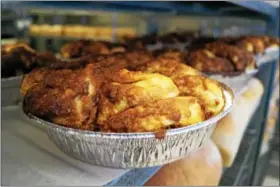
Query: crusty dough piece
pixel 252 44
pixel 32 79
pixel 169 67
pixel 229 131
pixel 209 91
pixel 65 97
pixel 130 88
pixel 206 61
pixel 20 58
pixel 240 58
pixel 200 168
pixel 156 116
pixel 81 48
pixel 175 54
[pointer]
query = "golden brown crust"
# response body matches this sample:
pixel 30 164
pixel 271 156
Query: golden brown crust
pixel 168 67
pixel 21 59
pixel 129 88
pixel 82 48
pixel 63 107
pixel 121 92
pixel 137 58
pixel 209 91
pixel 273 42
pixel 252 44
pixel 66 97
pixel 241 59
pixel 154 116
pixel 175 54
pixel 205 61
pixel 129 59
pixel 32 79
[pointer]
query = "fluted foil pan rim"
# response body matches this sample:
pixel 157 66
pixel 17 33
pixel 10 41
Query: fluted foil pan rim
pixel 10 90
pixel 229 97
pixel 9 79
pixel 237 83
pixel 270 54
pixel 233 74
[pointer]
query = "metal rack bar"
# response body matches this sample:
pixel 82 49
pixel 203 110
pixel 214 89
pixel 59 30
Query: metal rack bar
pixel 135 177
pixel 258 6
pixel 190 7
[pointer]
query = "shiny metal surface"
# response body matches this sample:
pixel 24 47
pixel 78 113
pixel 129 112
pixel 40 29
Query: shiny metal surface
pixel 269 55
pixel 133 150
pixel 10 90
pixel 237 82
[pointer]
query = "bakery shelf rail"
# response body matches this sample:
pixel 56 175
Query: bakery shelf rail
pixel 192 7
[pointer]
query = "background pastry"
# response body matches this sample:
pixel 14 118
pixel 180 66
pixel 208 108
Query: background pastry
pixel 205 61
pixel 240 59
pixel 19 58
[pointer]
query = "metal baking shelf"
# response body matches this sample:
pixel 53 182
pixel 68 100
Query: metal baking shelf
pixel 233 175
pixel 258 6
pixel 190 7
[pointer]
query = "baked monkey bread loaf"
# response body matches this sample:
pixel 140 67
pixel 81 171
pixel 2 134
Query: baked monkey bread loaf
pixel 161 93
pixel 79 48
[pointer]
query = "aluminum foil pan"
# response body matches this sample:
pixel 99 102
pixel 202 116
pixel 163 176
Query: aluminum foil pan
pixel 10 90
pixel 237 81
pixel 133 150
pixel 153 47
pixel 179 46
pixel 269 55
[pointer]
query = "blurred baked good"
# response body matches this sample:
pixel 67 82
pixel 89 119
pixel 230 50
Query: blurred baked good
pixel 34 29
pixel 46 30
pixel 19 58
pixel 251 44
pixel 175 54
pixel 56 30
pixel 137 58
pixel 202 167
pixel 81 48
pixel 230 130
pixel 240 59
pixel 217 57
pixel 205 61
pixel 125 33
pixel 255 44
